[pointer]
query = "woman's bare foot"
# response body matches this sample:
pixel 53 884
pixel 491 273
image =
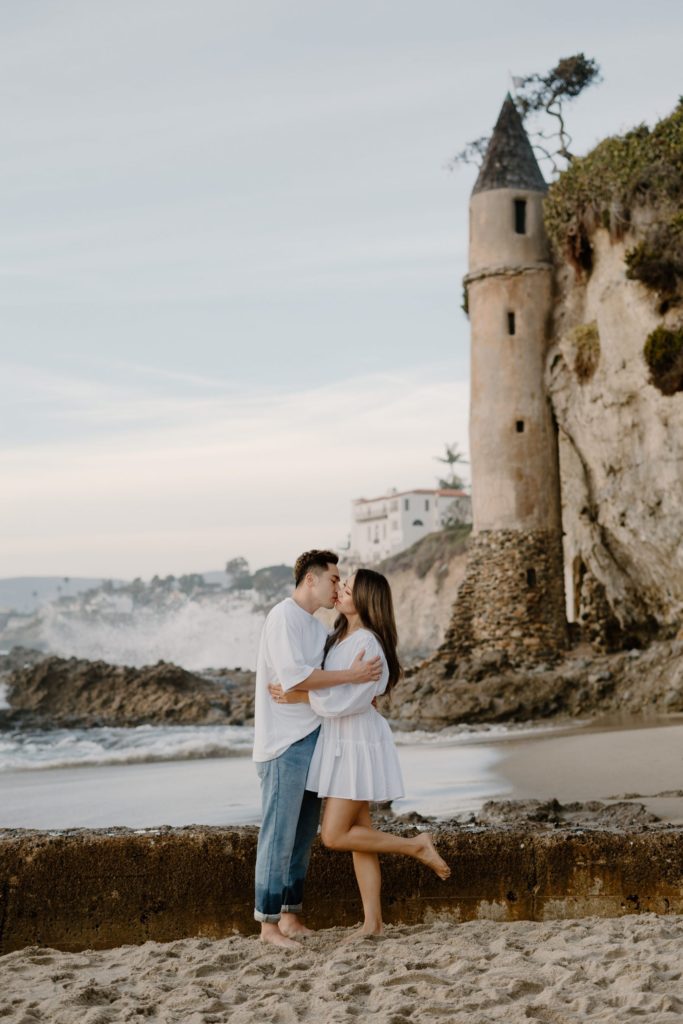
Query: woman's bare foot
pixel 428 856
pixel 364 932
pixel 272 936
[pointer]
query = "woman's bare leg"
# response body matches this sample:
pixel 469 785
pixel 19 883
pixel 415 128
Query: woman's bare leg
pixel 369 878
pixel 340 832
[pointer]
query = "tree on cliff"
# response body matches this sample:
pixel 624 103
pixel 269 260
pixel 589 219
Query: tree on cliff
pixel 547 94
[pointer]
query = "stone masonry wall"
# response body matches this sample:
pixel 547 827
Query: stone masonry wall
pixel 85 889
pixel 512 598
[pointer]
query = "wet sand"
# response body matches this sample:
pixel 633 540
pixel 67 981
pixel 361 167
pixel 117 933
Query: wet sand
pixel 564 972
pixel 601 764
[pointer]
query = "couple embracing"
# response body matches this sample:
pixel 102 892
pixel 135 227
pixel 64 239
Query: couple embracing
pixel 317 734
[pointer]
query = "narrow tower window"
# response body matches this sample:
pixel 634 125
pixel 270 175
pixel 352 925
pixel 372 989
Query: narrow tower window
pixel 531 577
pixel 520 216
pixel 511 323
pixel 520 426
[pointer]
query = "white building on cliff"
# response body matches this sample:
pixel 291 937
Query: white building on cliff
pixel 391 523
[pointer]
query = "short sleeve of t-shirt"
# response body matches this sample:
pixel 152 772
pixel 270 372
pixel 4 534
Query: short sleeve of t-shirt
pixel 286 644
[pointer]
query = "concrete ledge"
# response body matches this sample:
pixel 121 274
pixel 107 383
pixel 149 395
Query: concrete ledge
pixel 97 889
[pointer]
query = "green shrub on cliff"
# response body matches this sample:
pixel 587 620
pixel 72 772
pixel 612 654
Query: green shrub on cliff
pixel 663 353
pixel 640 168
pixel 657 261
pixel 585 340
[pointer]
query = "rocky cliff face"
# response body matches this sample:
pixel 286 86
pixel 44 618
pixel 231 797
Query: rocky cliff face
pixel 621 445
pixel 615 378
pixel 424 583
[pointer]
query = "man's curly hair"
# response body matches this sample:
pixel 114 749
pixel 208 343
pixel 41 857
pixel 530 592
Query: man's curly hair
pixel 313 560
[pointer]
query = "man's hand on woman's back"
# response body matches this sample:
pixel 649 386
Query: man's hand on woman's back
pixel 365 671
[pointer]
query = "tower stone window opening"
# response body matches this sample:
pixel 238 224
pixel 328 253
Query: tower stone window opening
pixel 511 323
pixel 519 426
pixel 531 578
pixel 520 216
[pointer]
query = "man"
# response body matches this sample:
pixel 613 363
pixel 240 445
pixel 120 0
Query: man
pixel 290 652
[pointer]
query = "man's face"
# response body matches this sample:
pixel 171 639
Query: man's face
pixel 325 586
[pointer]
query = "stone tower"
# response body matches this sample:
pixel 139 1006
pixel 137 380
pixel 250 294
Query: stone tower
pixel 512 597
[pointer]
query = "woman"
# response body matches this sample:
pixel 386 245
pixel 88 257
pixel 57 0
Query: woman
pixel 355 760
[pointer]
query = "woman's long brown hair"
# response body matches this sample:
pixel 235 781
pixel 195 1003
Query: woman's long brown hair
pixel 372 600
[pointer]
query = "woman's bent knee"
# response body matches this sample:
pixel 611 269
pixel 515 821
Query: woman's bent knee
pixel 332 840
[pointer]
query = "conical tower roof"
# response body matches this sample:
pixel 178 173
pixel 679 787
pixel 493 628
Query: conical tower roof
pixel 509 161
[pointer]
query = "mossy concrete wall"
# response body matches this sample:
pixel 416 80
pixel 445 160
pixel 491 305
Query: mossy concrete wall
pixel 96 889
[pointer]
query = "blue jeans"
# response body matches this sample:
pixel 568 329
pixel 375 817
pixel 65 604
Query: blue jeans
pixel 289 825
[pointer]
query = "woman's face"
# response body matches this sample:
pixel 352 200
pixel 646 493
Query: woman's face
pixel 345 603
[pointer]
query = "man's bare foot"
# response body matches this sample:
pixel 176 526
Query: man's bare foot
pixel 428 856
pixel 293 928
pixel 272 936
pixel 298 931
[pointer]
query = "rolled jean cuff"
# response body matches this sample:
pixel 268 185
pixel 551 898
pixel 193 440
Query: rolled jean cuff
pixel 266 918
pixel 291 909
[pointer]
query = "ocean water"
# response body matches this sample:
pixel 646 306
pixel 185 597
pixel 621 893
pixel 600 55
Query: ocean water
pixel 181 775
pixel 37 750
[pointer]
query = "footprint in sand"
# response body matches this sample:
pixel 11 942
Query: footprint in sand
pixel 228 959
pixel 93 995
pixel 351 989
pixel 414 976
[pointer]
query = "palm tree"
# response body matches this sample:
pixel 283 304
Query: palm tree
pixel 452 457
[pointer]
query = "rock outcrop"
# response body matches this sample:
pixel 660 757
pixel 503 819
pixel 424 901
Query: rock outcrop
pixel 437 693
pixel 585 684
pixel 78 693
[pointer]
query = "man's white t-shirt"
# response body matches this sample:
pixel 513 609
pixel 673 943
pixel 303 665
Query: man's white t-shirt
pixel 291 647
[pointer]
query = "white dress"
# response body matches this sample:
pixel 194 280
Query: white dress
pixel 355 756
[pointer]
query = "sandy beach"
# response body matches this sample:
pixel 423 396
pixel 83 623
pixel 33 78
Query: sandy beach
pixel 562 972
pixel 556 972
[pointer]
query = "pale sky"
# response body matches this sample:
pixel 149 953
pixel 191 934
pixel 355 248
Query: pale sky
pixel 231 257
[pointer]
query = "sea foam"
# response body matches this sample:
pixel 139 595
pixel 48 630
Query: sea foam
pixel 38 749
pixel 222 632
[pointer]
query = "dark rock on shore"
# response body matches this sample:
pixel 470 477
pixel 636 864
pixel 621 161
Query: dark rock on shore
pixel 441 692
pixel 57 692
pixel 551 813
pixel 53 691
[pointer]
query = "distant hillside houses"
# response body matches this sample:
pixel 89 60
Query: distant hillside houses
pixel 391 523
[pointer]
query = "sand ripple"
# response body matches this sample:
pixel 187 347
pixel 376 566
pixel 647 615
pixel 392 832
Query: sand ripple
pixel 559 972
